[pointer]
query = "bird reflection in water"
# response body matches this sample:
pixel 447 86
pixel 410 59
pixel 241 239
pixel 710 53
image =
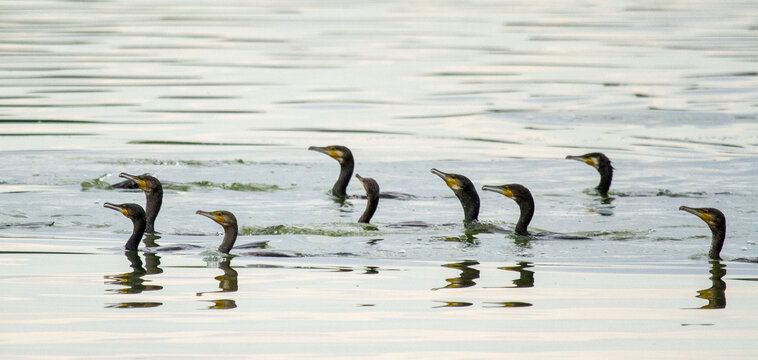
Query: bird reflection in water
pixel 149 240
pixel 226 283
pixel 526 277
pixel 716 294
pixel 465 279
pixel 133 282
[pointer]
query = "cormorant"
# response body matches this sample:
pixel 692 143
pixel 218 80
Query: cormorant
pixel 153 196
pixel 228 222
pixel 465 191
pixel 345 157
pixel 372 194
pixel 523 197
pixel 602 164
pixel 717 222
pixel 135 213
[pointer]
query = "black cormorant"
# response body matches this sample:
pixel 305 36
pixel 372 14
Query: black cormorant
pixel 603 166
pixel 228 222
pixel 153 196
pixel 465 191
pixel 344 156
pixel 717 222
pixel 372 194
pixel 135 213
pixel 523 197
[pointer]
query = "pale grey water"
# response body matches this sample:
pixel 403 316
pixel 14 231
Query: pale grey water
pixel 206 95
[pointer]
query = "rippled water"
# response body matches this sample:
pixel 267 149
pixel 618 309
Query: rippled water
pixel 221 101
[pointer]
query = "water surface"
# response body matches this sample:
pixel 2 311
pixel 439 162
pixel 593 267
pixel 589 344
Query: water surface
pixel 221 101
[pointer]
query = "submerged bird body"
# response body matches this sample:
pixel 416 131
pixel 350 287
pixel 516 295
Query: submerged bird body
pixel 602 164
pixel 153 196
pixel 137 215
pixel 372 194
pixel 344 156
pixel 228 221
pixel 523 197
pixel 717 222
pixel 465 192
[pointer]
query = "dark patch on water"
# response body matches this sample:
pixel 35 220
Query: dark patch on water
pixel 237 186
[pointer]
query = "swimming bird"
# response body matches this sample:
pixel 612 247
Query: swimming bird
pixel 228 221
pixel 465 191
pixel 153 196
pixel 523 197
pixel 137 215
pixel 717 222
pixel 344 156
pixel 372 194
pixel 602 164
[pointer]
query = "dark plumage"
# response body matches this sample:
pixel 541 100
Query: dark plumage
pixel 603 166
pixel 372 194
pixel 344 156
pixel 228 222
pixel 523 197
pixel 717 222
pixel 137 215
pixel 153 196
pixel 465 191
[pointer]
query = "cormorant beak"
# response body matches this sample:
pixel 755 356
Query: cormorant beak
pixel 325 150
pixel 499 189
pixel 587 160
pixel 360 178
pixel 117 208
pixel 449 180
pixel 217 218
pixel 135 179
pixel 702 214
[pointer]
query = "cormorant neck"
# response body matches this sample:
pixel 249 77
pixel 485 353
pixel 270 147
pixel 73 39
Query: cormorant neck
pixel 137 232
pixel 470 202
pixel 373 202
pixel 527 211
pixel 153 201
pixel 717 242
pixel 606 175
pixel 230 236
pixel 346 171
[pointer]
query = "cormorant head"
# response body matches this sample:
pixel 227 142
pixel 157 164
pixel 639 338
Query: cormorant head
pixel 338 152
pixel 370 185
pixel 595 159
pixel 517 192
pixel 144 181
pixel 455 182
pixel 713 217
pixel 222 217
pixel 130 210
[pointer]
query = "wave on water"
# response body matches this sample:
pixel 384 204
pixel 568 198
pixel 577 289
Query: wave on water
pixel 99 183
pixel 334 230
